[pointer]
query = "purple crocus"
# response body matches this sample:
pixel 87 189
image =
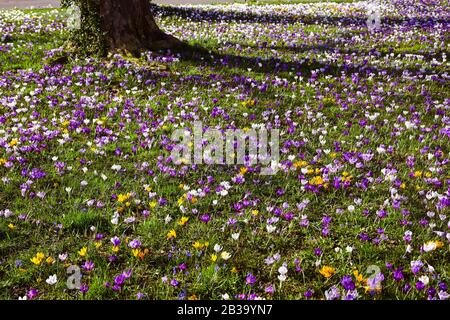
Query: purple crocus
pixel 308 293
pixel 139 296
pixel 416 265
pixel 127 274
pixel 398 274
pixel 406 288
pixel 32 293
pixel 174 283
pixel 116 287
pixel 431 292
pixel 250 279
pixel 420 285
pixel 348 283
pixel 84 288
pixel 119 280
pixel 88 266
pixel 115 241
pixel 269 289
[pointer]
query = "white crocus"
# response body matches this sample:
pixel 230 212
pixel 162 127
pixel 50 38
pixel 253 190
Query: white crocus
pixel 225 255
pixel 52 280
pixel 424 279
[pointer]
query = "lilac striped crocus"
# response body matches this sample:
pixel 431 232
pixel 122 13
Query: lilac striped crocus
pixel 134 244
pixel 332 293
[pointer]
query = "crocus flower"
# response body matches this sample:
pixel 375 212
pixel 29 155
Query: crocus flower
pixel 420 285
pixel 134 244
pixel 416 265
pixel 443 295
pixel 350 295
pixel 327 271
pixel 32 293
pixel 269 289
pixel 348 283
pixel 282 273
pixel 88 266
pixel 398 274
pixel 374 282
pixel 332 293
pixel 250 279
pixel 115 241
pixel 308 293
pixel 84 288
pixel 139 296
pixel 52 280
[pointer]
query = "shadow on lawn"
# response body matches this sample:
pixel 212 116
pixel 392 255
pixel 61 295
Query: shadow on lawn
pixel 330 47
pixel 273 66
pixel 197 54
pixel 203 15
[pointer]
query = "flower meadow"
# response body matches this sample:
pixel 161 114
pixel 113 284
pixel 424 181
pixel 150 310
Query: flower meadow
pixel 92 205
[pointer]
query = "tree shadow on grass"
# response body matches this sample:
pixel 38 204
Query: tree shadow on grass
pixel 203 15
pixel 330 47
pixel 276 66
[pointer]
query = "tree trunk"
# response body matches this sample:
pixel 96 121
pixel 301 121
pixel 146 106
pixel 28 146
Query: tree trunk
pixel 129 25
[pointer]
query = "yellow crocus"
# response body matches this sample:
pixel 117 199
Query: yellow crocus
pixel 316 180
pixel 198 245
pixel 36 261
pixel 327 271
pixel 171 234
pixel 13 142
pixel 136 252
pixel 183 221
pixel 82 252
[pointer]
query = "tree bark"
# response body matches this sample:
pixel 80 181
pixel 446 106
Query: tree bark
pixel 129 25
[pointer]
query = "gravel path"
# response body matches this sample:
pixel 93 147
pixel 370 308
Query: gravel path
pixel 46 3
